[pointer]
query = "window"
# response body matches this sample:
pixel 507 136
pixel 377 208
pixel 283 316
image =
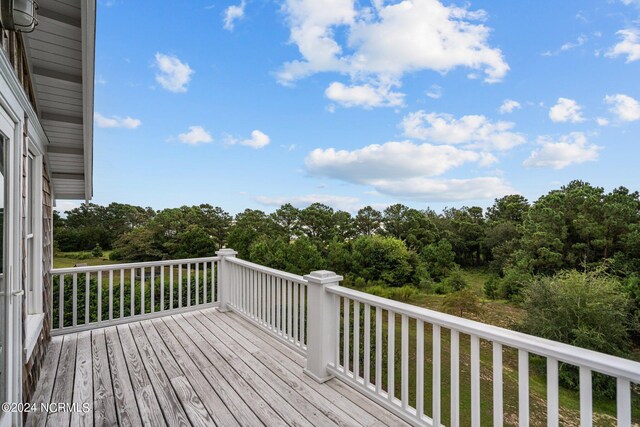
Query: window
pixel 33 244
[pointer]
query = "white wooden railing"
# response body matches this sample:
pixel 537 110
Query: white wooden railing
pixel 273 299
pixel 366 374
pixel 420 364
pixel 96 296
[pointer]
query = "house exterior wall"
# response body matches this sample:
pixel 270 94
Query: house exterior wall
pixel 17 106
pixel 31 368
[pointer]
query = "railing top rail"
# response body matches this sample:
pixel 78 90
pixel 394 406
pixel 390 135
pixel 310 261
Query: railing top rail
pixel 604 363
pixel 268 270
pixel 107 267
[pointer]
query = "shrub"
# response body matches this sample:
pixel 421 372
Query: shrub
pixel 96 251
pixel 587 310
pixel 456 281
pixel 379 291
pixel 404 293
pixel 491 287
pixel 116 255
pixel 382 258
pixel 512 284
pixel 83 255
pixel 359 283
pixel 464 301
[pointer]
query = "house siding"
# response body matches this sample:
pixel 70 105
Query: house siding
pixel 31 369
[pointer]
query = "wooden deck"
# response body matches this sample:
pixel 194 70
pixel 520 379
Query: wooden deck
pixel 203 368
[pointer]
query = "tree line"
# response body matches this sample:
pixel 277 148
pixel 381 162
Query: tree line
pixel 530 249
pixel 578 226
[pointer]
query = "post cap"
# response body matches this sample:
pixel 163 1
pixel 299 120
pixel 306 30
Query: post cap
pixel 226 252
pixel 323 277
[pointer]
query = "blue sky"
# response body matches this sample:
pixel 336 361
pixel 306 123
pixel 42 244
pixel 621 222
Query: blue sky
pixel 256 103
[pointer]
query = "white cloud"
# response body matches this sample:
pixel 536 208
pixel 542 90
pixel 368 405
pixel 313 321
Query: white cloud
pixel 569 149
pixel 116 122
pixel 173 74
pixel 566 110
pixel 624 107
pixel 258 140
pixel 62 206
pixel 385 41
pixel 392 160
pixel 434 92
pixel 629 45
pixel 344 203
pixel 195 136
pixel 474 131
pixel 581 40
pixel 232 14
pixel 365 95
pixel 508 106
pixel 602 121
pixel 442 190
pixel 406 170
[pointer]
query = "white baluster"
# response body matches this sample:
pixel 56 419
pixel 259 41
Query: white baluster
pixel 437 342
pixel 391 355
pixel 523 388
pixel 552 393
pixel 420 368
pixel 378 350
pixel 497 385
pixel 455 378
pixel 367 345
pixel 475 381
pixel 586 400
pixel 623 402
pixel 356 340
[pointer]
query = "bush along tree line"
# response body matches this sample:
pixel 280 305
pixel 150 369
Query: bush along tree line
pixel 571 258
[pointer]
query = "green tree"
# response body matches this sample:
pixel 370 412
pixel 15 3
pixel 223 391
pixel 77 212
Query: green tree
pixel 382 258
pixel 317 223
pixel 464 301
pixel 368 221
pixel 439 259
pixel 249 227
pixel 287 219
pixel 587 310
pixel 303 257
pixel 512 208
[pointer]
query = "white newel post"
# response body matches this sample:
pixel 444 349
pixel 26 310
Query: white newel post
pixel 321 323
pixel 224 277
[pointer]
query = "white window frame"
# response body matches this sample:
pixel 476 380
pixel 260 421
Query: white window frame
pixel 33 243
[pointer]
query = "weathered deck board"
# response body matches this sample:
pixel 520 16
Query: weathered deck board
pixel 83 384
pixel 269 368
pixel 202 369
pixel 364 410
pixel 126 406
pixel 267 391
pixel 167 398
pixel 291 397
pixel 212 402
pixel 46 382
pixel 256 402
pixel 63 388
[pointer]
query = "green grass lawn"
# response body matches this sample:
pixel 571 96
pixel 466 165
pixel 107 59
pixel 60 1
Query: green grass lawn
pixel 70 259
